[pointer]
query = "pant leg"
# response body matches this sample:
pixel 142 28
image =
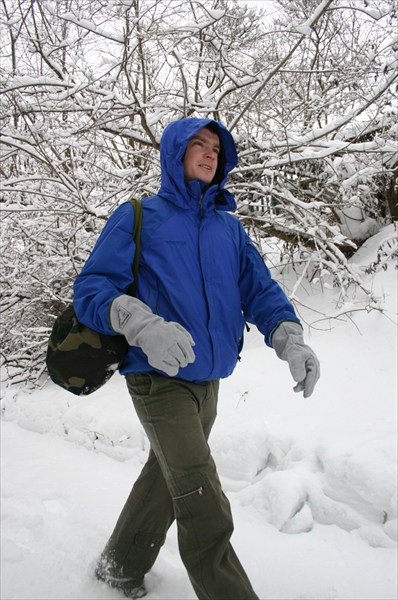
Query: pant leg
pixel 141 528
pixel 149 510
pixel 175 415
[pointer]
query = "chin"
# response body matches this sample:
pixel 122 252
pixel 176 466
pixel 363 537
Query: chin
pixel 205 179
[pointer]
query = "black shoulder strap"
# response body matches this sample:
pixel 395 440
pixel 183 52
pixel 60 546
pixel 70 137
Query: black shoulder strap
pixel 137 206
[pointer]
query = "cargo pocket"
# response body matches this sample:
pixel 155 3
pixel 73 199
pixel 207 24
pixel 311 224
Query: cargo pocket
pixel 204 514
pixel 145 549
pixel 148 541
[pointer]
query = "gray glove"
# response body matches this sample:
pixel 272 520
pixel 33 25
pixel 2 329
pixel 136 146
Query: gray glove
pixel 167 345
pixel 287 341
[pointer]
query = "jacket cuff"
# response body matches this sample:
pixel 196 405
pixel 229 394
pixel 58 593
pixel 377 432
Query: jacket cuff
pixel 280 323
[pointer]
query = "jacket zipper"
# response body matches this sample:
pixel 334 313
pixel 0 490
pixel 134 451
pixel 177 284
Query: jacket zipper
pixel 198 491
pixel 201 214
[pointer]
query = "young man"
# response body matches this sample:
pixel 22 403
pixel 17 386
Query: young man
pixel 200 279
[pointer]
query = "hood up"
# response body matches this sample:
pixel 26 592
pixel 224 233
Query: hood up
pixel 173 144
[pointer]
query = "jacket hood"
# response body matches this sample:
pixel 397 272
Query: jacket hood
pixel 173 144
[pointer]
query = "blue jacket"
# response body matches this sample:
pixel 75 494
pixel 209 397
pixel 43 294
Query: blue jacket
pixel 198 266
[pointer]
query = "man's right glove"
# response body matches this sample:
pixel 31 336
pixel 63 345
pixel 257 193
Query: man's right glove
pixel 167 345
pixel 288 343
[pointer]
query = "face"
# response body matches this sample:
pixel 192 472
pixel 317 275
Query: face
pixel 201 156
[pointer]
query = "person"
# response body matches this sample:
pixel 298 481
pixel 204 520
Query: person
pixel 200 279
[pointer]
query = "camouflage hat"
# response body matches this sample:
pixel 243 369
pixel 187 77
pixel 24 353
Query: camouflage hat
pixel 80 359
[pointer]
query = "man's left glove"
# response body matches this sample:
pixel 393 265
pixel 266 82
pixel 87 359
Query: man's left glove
pixel 288 343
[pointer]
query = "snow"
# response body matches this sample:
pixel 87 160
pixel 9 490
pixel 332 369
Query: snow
pixel 90 26
pixel 302 28
pixel 312 483
pixel 26 81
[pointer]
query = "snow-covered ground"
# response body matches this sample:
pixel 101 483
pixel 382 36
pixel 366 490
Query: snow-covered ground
pixel 312 483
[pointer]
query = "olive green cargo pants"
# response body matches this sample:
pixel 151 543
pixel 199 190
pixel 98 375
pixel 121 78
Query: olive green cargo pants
pixel 179 481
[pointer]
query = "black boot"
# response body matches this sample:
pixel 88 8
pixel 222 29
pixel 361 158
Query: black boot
pixel 131 588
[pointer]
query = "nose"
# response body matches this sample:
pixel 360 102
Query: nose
pixel 211 153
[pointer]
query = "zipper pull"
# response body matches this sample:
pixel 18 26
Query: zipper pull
pixel 199 491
